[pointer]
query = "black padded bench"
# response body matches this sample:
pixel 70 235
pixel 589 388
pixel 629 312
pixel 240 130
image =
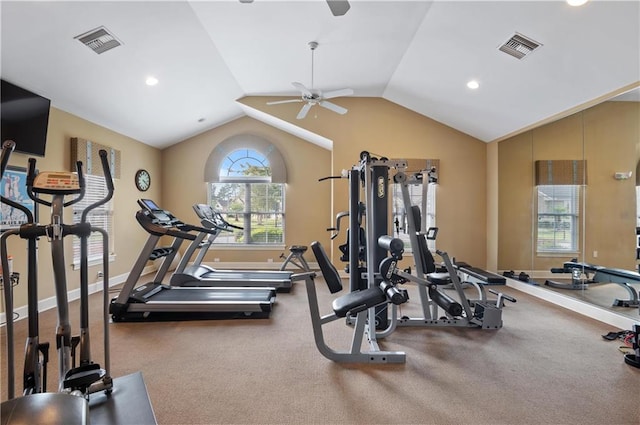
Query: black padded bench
pixel 601 274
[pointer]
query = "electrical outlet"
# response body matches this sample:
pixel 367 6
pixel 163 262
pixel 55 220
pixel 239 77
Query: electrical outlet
pixel 269 260
pixel 217 260
pixel 595 254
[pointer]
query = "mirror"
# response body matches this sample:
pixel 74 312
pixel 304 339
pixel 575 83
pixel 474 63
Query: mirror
pixel 542 226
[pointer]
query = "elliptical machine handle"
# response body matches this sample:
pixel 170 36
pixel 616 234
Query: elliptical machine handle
pixel 106 168
pixel 31 174
pixel 108 181
pixel 7 148
pixel 81 183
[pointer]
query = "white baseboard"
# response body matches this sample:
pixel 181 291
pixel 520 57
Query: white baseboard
pixel 73 295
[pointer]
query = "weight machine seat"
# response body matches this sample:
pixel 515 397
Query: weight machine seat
pixel 357 301
pixel 352 302
pixel 298 248
pixel 630 276
pixel 592 268
pixel 439 278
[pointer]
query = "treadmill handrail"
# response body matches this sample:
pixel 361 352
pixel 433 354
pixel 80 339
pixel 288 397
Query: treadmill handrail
pixel 161 230
pixel 190 228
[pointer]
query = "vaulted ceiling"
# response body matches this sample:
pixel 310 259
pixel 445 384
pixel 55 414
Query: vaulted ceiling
pixel 418 54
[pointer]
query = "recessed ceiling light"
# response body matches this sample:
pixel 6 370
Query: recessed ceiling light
pixel 473 84
pixel 576 2
pixel 151 81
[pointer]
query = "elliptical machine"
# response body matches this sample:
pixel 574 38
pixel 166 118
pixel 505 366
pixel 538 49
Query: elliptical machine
pixel 75 383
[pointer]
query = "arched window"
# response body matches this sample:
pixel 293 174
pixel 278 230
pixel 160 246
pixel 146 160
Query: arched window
pixel 242 188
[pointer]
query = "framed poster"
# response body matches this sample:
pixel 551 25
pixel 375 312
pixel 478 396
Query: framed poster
pixel 14 188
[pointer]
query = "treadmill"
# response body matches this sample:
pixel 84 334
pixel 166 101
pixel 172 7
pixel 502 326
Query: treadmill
pixel 157 301
pixel 197 274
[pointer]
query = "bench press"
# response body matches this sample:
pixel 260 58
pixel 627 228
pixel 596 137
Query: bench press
pixel 601 275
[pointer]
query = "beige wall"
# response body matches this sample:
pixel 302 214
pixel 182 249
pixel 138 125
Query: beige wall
pixel 129 237
pixel 607 136
pixel 386 129
pixel 307 200
pixel 376 125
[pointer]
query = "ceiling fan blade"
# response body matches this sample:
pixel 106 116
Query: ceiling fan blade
pixel 305 91
pixel 338 7
pixel 278 102
pixel 303 112
pixel 337 93
pixel 333 107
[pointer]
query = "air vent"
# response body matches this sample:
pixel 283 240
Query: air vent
pixel 99 40
pixel 519 46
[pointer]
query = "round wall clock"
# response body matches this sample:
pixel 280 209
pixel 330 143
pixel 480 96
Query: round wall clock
pixel 143 180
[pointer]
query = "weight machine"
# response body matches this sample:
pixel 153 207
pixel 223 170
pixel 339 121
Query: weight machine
pixel 460 312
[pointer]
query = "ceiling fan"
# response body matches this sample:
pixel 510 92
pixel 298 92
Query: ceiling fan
pixel 312 97
pixel 338 7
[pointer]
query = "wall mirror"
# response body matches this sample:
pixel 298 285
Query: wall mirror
pixel 569 190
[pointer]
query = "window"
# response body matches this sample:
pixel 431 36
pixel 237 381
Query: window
pixel 247 198
pixel 416 195
pixel 558 218
pixel 101 216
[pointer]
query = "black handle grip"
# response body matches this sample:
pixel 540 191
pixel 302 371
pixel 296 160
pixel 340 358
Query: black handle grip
pixel 7 148
pixel 81 181
pixel 31 173
pixel 106 168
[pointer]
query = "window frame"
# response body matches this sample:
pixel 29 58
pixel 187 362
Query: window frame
pixel 229 176
pixel 574 202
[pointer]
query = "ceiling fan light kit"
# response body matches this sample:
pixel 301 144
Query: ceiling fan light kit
pixel 312 97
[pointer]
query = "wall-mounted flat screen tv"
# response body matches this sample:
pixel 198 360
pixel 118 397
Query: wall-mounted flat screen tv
pixel 25 118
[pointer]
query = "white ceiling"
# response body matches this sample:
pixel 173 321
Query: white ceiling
pixel 419 54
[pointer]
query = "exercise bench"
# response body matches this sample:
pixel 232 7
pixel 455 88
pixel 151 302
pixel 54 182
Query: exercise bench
pixel 360 304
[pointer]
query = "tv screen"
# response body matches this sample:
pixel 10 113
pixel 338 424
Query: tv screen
pixel 25 118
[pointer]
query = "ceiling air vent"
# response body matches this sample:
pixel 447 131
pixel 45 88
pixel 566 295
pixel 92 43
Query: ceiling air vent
pixel 519 46
pixel 99 40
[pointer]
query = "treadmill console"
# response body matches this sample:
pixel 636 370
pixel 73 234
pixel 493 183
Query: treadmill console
pixel 158 215
pixel 210 218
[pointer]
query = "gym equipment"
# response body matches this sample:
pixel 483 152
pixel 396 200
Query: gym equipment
pixel 197 274
pixel 460 312
pixel 601 275
pixel 295 257
pixel 374 276
pixel 76 383
pixel 470 273
pixel 361 304
pixel 633 359
pixel 157 301
pixel 361 250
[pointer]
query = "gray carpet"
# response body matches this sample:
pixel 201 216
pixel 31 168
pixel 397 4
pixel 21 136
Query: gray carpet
pixel 546 366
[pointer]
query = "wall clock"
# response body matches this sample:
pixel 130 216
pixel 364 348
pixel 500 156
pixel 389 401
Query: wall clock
pixel 143 180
